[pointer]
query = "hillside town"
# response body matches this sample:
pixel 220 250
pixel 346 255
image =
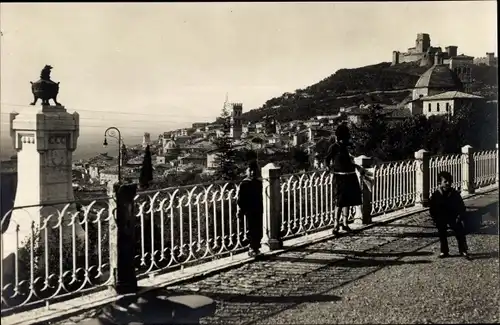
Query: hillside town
pixel 441 90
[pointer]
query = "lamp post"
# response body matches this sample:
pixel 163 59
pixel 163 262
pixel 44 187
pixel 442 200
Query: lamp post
pixel 113 132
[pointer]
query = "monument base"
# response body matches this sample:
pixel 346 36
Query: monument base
pixel 44 226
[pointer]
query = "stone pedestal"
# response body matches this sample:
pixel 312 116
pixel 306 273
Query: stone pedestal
pixel 271 196
pixel 44 141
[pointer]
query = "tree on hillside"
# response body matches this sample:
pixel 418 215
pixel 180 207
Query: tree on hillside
pixel 321 147
pixel 441 136
pixel 300 159
pixel 370 135
pixel 405 137
pixel 476 124
pixel 225 159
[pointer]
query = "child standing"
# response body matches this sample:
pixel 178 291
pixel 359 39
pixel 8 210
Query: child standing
pixel 447 208
pixel 250 206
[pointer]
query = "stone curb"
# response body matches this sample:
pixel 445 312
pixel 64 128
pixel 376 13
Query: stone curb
pixel 392 216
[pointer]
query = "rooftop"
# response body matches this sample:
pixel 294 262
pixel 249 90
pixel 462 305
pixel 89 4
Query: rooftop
pixel 451 95
pixel 439 77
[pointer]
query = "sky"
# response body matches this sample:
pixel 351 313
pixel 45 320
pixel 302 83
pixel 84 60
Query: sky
pixel 159 66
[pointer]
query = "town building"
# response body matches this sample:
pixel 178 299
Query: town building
pixel 437 79
pixel 490 60
pixel 447 103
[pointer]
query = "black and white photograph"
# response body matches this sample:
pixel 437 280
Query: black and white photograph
pixel 249 163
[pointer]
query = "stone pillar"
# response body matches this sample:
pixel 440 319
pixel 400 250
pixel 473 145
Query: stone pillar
pixel 364 212
pixel 423 179
pixel 468 186
pixel 113 230
pixel 496 164
pixel 44 141
pixel 123 241
pixel 271 194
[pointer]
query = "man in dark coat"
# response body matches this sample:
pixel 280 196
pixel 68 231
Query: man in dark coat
pixel 250 204
pixel 447 208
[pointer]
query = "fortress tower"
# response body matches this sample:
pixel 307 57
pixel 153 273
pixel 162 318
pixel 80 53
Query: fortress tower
pixel 395 57
pixel 424 53
pixel 451 50
pixel 423 42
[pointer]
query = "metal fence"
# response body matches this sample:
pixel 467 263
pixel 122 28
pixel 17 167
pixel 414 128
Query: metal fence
pixel 307 204
pixel 57 250
pixel 394 186
pixel 184 225
pixel 450 163
pixel 54 251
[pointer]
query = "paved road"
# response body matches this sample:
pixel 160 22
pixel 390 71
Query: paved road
pixel 386 274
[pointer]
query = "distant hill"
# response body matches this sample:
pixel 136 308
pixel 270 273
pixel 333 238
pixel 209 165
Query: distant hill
pixel 380 83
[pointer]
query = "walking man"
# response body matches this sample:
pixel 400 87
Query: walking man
pixel 447 209
pixel 250 206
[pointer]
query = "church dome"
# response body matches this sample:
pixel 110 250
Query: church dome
pixel 439 77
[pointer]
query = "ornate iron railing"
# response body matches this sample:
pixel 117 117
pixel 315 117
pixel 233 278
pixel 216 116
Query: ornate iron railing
pixel 394 186
pixel 54 251
pixel 51 252
pixel 485 168
pixel 450 163
pixel 178 226
pixel 307 203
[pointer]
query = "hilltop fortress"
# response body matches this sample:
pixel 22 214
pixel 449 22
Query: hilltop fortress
pixel 428 55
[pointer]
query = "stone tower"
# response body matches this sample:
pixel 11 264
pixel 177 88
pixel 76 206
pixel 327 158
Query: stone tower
pixel 451 50
pixel 235 110
pixel 395 57
pixel 146 139
pixel 236 129
pixel 490 58
pixel 423 43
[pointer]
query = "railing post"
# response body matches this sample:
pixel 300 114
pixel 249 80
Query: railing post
pixel 496 164
pixel 423 178
pixel 271 195
pixel 364 212
pixel 468 186
pixel 113 233
pixel 122 240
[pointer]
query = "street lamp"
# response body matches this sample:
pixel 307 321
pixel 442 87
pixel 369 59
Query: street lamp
pixel 113 132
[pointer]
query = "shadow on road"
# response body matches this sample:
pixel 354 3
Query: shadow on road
pixel 352 261
pixel 406 226
pixel 488 224
pixel 281 299
pixel 313 286
pixel 485 224
pixel 484 256
pixel 366 254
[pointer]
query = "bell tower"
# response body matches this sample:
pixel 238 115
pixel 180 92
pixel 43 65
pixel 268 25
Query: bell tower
pixel 236 125
pixel 235 110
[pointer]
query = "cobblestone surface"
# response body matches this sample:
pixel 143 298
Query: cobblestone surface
pixel 385 274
